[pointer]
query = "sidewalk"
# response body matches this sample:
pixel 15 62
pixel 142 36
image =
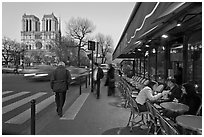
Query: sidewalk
pixel 96 117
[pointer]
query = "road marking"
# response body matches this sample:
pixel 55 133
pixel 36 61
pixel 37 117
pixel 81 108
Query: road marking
pixel 21 102
pixel 24 116
pixel 14 96
pixel 6 92
pixel 71 113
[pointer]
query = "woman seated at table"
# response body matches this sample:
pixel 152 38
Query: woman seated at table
pixel 175 91
pixel 147 94
pixel 190 98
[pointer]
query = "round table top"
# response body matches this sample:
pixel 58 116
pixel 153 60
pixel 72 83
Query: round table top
pixel 190 122
pixel 175 107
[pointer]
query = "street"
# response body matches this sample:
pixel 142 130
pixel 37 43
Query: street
pixel 17 93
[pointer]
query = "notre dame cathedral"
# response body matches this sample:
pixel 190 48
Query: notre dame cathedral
pixel 39 36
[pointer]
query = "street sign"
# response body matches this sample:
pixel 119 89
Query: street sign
pixel 91 45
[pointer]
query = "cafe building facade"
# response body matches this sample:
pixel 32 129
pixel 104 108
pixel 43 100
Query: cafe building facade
pixel 164 39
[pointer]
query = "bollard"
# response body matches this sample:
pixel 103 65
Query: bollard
pixel 33 117
pixel 89 77
pixel 79 86
pixel 86 81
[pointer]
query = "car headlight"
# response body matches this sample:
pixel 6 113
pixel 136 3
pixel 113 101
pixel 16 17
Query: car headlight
pixel 30 74
pixel 41 75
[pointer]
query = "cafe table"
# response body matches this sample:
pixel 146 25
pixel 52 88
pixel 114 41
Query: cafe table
pixel 191 122
pixel 175 107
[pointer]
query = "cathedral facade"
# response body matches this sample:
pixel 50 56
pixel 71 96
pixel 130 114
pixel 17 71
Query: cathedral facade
pixel 38 35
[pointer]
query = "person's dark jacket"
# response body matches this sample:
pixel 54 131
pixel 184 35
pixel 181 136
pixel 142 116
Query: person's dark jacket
pixel 175 92
pixel 100 74
pixel 60 79
pixel 110 80
pixel 190 99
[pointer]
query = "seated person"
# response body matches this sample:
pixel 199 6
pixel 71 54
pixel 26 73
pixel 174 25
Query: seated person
pixel 147 94
pixel 175 91
pixel 190 98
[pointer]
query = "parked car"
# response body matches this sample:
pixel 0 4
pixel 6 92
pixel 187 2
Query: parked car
pixel 10 69
pixel 77 74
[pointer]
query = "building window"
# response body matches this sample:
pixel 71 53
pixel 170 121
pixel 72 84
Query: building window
pixel 26 25
pixel 36 26
pixel 30 25
pixel 50 25
pixel 46 25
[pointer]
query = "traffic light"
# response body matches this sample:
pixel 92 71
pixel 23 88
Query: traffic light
pixel 91 45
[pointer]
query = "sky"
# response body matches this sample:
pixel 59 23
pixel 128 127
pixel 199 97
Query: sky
pixel 110 18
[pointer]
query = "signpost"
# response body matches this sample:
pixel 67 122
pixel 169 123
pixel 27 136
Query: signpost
pixel 91 46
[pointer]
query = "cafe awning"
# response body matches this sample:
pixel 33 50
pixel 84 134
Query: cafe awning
pixel 148 20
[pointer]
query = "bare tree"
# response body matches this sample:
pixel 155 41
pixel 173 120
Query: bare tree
pixel 11 50
pixel 79 29
pixel 105 46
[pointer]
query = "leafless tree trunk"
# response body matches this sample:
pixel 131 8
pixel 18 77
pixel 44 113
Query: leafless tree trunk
pixel 105 44
pixel 79 29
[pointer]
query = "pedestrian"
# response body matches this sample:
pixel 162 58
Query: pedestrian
pixel 120 72
pixel 59 82
pixel 97 76
pixel 110 80
pixel 178 76
pixel 16 69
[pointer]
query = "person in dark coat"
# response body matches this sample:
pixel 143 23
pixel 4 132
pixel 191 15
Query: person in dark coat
pixel 174 95
pixel 59 83
pixel 175 91
pixel 178 76
pixel 110 80
pixel 97 76
pixel 190 98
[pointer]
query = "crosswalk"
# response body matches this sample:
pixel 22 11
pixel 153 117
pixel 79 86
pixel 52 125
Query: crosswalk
pixel 21 99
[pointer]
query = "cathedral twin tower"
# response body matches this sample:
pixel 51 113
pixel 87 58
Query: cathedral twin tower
pixel 36 39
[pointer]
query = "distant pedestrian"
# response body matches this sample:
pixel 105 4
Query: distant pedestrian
pixel 120 73
pixel 110 80
pixel 59 83
pixel 97 76
pixel 178 76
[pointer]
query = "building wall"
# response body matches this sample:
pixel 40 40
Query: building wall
pixel 32 36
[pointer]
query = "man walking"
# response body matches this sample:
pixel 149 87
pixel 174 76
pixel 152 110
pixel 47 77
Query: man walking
pixel 59 83
pixel 97 76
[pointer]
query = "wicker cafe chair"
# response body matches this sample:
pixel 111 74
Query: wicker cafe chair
pixel 166 127
pixel 199 111
pixel 135 113
pixel 153 118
